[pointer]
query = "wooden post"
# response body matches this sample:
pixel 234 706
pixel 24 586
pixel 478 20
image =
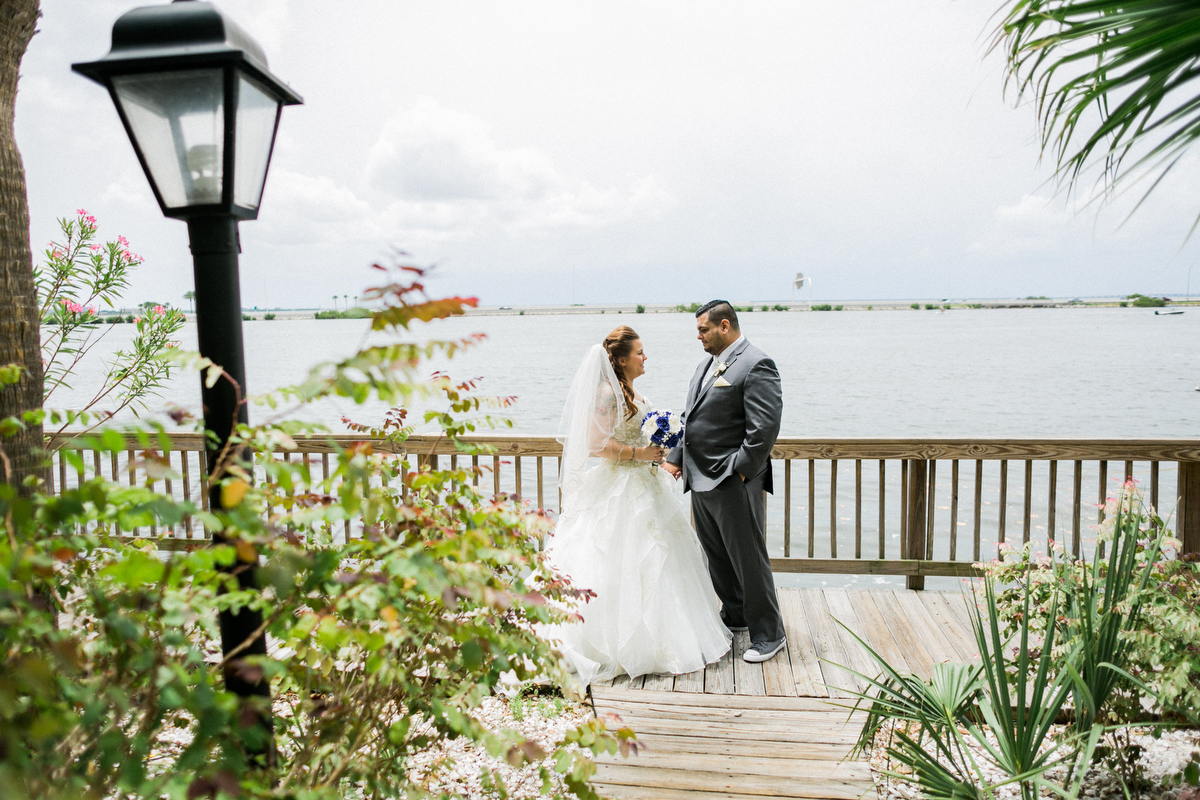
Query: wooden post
pixel 1188 526
pixel 918 488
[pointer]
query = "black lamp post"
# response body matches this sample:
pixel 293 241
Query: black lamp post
pixel 202 110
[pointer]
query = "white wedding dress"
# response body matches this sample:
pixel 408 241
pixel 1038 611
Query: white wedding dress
pixel 624 535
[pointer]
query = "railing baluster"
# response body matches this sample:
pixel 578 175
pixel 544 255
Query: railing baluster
pixel 812 508
pixel 904 508
pixel 131 467
pixel 833 472
pixel 1154 485
pixel 954 510
pixel 1077 505
pixel 519 484
pixel 931 508
pixel 1003 499
pixel 787 508
pixel 540 501
pixel 978 508
pixel 858 508
pixel 185 469
pixel 475 468
pixel 882 507
pixel 496 475
pixel 1053 510
pixel 1026 523
pixel 1102 499
pixel 1128 471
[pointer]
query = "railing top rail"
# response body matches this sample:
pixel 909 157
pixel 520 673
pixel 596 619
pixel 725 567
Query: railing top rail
pixel 786 447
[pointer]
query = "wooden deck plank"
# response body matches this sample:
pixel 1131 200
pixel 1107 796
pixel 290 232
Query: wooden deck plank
pixel 659 683
pixel 800 769
pixel 747 678
pixel 842 609
pixel 879 633
pixel 619 682
pixel 811 751
pixel 718 676
pixel 744 784
pixel 832 717
pixel 961 639
pixel 828 644
pixel 920 662
pixel 806 670
pixel 935 641
pixel 620 792
pixel 603 693
pixel 846 734
pixel 690 682
pixel 777 675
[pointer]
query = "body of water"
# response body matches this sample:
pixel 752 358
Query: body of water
pixel 1007 372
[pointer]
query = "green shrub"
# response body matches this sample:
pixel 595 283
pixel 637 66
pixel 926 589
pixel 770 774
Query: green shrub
pixel 837 308
pixel 386 642
pixel 1122 304
pixel 930 306
pixel 1142 301
pixel 268 316
pixel 778 307
pixel 248 318
pixel 690 309
pixel 916 306
pixel 822 307
pixel 641 309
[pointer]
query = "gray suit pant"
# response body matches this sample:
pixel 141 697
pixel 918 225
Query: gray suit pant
pixel 729 522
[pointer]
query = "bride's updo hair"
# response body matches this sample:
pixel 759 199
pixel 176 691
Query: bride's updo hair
pixel 619 344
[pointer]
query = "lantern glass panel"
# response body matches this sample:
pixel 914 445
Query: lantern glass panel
pixel 178 122
pixel 256 115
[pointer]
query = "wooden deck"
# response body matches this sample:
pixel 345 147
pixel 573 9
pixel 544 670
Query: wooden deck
pixel 779 729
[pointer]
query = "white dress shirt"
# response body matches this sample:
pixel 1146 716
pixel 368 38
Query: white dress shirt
pixel 717 361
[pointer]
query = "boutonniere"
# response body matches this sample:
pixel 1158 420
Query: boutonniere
pixel 721 367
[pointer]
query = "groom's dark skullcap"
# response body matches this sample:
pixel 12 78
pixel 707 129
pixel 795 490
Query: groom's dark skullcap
pixel 718 310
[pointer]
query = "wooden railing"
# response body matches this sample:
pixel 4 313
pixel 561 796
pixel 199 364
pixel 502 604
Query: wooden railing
pixel 911 507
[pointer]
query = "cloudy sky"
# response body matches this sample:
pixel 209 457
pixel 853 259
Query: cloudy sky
pixel 550 152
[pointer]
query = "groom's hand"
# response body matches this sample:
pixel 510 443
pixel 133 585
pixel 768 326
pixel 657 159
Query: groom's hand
pixel 672 470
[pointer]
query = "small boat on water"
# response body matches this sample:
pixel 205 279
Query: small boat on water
pixel 1170 312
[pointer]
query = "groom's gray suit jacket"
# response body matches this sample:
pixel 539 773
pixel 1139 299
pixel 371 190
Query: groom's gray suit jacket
pixel 732 428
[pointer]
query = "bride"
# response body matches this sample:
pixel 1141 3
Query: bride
pixel 624 535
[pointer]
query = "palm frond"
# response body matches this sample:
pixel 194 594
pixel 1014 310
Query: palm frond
pixel 1135 63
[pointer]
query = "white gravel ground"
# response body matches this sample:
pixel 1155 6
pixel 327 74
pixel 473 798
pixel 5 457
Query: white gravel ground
pixel 463 762
pixel 1160 758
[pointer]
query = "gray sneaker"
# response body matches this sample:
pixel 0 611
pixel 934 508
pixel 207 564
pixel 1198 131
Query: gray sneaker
pixel 763 651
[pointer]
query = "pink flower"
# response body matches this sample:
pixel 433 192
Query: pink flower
pixel 95 247
pixel 159 310
pixel 91 221
pixel 56 253
pixel 81 212
pixel 123 241
pixel 74 308
pixel 93 310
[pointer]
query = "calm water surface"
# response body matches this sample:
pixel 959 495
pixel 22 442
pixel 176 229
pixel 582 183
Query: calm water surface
pixel 1012 372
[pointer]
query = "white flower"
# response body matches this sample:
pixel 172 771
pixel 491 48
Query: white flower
pixel 650 424
pixel 674 425
pixel 721 367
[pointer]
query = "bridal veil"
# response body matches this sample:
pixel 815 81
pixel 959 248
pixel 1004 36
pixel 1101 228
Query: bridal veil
pixel 590 418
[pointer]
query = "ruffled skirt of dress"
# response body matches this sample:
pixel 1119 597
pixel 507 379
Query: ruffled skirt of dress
pixel 626 537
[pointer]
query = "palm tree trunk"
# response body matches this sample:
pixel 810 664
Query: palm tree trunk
pixel 20 335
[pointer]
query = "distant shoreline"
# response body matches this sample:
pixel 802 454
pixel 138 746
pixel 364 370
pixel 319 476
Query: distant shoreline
pixel 771 307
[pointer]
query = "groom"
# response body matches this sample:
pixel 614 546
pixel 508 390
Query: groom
pixel 731 420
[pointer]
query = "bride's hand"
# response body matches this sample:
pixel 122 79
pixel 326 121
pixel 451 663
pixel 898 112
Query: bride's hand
pixel 651 453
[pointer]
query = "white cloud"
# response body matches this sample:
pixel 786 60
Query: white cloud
pixel 1034 224
pixel 443 170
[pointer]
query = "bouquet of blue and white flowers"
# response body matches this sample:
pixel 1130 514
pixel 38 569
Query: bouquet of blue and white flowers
pixel 663 428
